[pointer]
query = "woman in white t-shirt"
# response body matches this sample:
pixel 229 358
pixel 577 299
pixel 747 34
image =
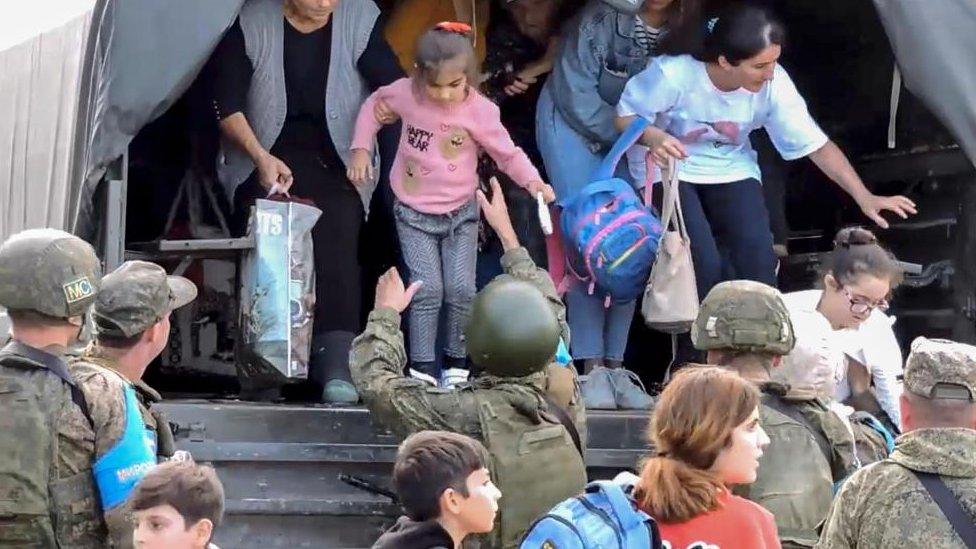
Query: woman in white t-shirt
pixel 843 326
pixel 703 108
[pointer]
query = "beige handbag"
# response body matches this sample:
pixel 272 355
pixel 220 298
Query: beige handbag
pixel 671 297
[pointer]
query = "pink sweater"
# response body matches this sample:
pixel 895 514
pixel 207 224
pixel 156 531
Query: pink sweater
pixel 436 166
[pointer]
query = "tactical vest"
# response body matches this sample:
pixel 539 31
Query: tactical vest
pixel 810 450
pixel 132 456
pixel 533 459
pixel 38 509
pixel 156 423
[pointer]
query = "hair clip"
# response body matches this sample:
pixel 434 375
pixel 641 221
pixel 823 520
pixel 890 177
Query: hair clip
pixel 710 25
pixel 454 27
pixel 857 236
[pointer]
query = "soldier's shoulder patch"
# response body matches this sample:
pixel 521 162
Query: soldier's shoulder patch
pixel 77 290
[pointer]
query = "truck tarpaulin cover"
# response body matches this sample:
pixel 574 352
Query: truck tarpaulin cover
pixel 141 56
pixel 934 42
pixel 42 48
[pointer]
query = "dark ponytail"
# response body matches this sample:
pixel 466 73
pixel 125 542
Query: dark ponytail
pixel 857 252
pixel 739 32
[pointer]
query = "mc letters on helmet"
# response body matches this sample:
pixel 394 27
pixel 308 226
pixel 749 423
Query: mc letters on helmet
pixel 78 290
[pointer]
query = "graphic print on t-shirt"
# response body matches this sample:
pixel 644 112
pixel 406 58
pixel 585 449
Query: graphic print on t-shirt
pixel 720 133
pixel 418 138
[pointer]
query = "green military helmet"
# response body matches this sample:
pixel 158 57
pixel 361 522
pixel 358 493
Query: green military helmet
pixel 742 315
pixel 48 271
pixel 512 331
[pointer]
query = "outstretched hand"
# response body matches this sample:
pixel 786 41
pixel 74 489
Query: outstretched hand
pixel 496 214
pixel 873 205
pixel 391 293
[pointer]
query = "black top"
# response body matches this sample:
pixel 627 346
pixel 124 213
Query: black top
pixel 509 51
pixel 306 59
pixel 407 534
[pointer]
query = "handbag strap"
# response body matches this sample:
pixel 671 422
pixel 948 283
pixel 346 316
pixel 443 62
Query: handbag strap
pixel 671 212
pixel 961 521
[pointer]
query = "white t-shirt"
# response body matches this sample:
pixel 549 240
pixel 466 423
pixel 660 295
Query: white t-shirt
pixel 820 352
pixel 677 95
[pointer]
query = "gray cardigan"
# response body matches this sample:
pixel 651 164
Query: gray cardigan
pixel 262 23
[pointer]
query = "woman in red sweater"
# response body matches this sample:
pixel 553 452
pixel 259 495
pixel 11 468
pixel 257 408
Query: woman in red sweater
pixel 706 432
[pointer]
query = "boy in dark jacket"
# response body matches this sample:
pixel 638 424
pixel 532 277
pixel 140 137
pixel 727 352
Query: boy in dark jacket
pixel 443 484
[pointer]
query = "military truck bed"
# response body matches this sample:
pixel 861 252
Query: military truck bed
pixel 281 466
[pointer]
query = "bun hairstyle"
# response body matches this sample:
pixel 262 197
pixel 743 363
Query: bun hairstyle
pixel 739 32
pixel 692 422
pixel 857 252
pixel 441 44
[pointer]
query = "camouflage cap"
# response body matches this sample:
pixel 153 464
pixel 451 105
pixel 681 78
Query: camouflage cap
pixel 137 295
pixel 939 368
pixel 48 271
pixel 743 315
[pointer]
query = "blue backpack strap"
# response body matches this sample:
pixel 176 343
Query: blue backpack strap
pixel 875 424
pixel 638 527
pixel 626 140
pixel 597 186
pixel 118 471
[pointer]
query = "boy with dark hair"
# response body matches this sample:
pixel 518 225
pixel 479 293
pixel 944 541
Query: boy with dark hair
pixel 177 505
pixel 443 484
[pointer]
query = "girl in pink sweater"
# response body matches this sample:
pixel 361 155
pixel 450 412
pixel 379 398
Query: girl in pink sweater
pixel 446 123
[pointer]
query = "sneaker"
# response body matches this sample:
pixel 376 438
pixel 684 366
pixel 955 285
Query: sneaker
pixel 597 389
pixel 628 390
pixel 452 377
pixel 426 378
pixel 338 391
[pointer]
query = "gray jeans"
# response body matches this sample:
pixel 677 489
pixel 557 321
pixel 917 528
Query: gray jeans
pixel 442 251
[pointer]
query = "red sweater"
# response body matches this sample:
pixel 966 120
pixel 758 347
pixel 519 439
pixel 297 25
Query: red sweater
pixel 737 524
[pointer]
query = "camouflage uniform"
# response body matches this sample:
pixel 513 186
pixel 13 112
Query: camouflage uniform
pixel 47 492
pixel 810 447
pixel 132 299
pixel 408 405
pixel 885 505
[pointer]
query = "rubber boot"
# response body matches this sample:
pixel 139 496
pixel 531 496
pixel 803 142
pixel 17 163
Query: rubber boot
pixel 329 367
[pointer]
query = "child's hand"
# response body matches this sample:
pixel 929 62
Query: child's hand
pixel 383 113
pixel 360 167
pixel 548 194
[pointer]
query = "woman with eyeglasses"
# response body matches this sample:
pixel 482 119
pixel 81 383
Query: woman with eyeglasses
pixel 844 339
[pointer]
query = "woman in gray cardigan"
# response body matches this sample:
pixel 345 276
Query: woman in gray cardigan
pixel 290 77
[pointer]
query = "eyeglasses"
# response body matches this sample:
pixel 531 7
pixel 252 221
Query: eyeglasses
pixel 860 305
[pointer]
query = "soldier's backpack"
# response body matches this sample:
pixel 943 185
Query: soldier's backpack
pixel 534 461
pixel 36 508
pixel 873 442
pixel 602 516
pixel 610 236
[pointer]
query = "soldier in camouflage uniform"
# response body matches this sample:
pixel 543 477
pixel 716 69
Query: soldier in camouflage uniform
pixel 48 281
pixel 525 408
pixel 131 315
pixel 886 505
pixel 745 326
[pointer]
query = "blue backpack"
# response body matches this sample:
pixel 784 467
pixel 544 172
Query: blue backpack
pixel 603 517
pixel 610 236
